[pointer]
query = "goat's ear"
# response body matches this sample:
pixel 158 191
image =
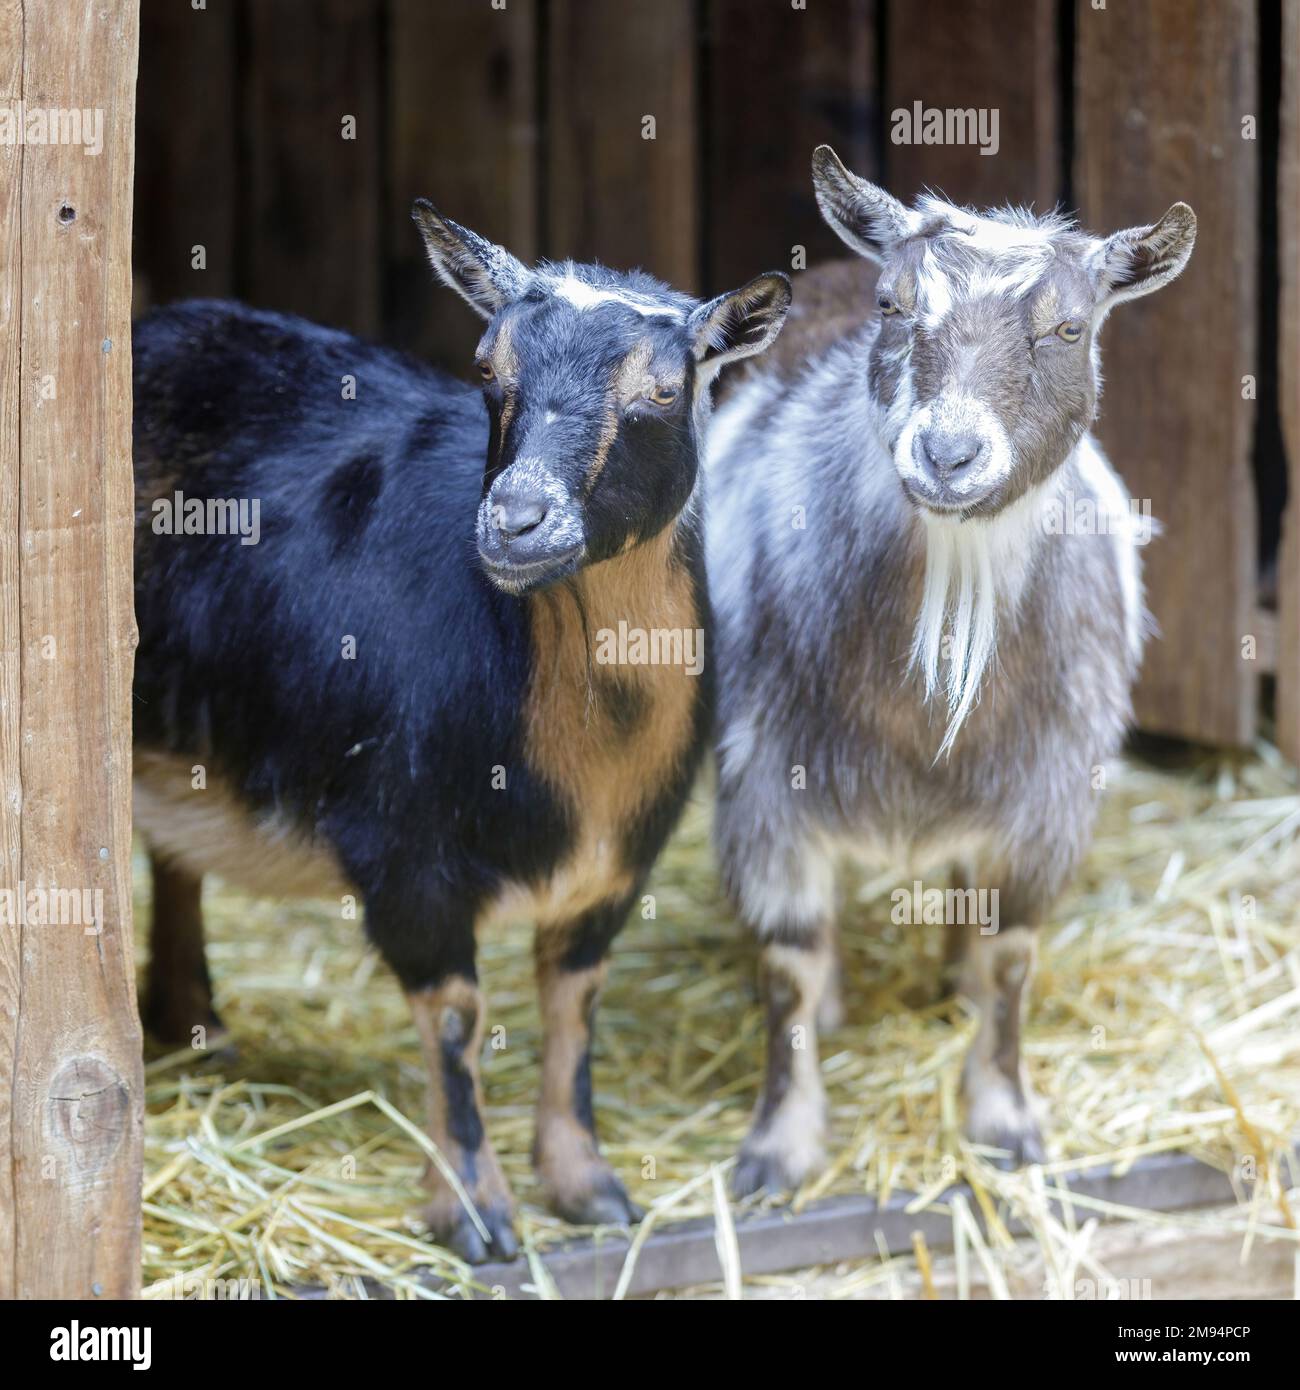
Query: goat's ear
pixel 864 217
pixel 1139 260
pixel 740 323
pixel 484 274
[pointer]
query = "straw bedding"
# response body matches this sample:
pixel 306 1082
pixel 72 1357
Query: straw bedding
pixel 1166 1016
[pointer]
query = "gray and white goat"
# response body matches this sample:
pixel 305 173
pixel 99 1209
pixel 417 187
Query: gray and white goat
pixel 929 618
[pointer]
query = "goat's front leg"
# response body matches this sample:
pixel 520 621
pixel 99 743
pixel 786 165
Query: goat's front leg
pixel 571 965
pixel 450 1017
pixel 994 976
pixel 786 1139
pixel 434 960
pixel 783 887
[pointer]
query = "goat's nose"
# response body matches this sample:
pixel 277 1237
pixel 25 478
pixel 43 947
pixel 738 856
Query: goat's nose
pixel 517 513
pixel 948 451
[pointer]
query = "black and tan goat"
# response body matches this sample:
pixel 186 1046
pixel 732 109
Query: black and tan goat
pixel 395 691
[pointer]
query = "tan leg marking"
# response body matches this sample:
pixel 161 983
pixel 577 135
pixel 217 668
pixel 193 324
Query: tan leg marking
pixel 580 1185
pixel 450 1020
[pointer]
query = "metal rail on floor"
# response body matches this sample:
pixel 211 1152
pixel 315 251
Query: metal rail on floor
pixel 681 1254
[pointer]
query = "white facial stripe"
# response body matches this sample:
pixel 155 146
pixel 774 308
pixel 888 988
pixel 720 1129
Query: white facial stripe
pixel 899 414
pixel 999 274
pixel 1014 258
pixel 1018 278
pixel 933 291
pixel 584 296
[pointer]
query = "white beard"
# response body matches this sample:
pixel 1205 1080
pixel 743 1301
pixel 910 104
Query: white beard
pixel 971 569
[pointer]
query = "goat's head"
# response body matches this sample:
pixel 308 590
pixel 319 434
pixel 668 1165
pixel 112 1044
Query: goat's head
pixel 597 388
pixel 986 363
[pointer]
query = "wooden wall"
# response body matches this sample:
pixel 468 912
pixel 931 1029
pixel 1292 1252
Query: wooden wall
pixel 527 122
pixel 1148 133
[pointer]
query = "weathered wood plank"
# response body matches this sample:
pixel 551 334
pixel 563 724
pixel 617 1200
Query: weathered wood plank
pixel 985 55
pixel 11 646
pixel 1288 660
pixel 611 193
pixel 311 244
pixel 471 148
pixel 1197 1255
pixel 782 81
pixel 71 1149
pixel 187 140
pixel 1159 106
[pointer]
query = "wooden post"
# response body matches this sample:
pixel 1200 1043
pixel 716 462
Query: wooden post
pixel 1288 204
pixel 71 1082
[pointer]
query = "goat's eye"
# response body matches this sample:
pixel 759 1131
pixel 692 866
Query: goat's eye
pixel 663 395
pixel 485 370
pixel 1070 331
pixel 887 305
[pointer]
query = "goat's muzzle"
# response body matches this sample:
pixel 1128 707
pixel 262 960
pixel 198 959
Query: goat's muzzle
pixel 529 529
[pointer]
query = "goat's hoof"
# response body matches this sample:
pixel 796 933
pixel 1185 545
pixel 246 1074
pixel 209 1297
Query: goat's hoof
pixel 202 1030
pixel 457 1231
pixel 770 1172
pixel 1022 1147
pixel 604 1203
pixel 755 1173
pixel 1006 1122
pixel 782 1150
